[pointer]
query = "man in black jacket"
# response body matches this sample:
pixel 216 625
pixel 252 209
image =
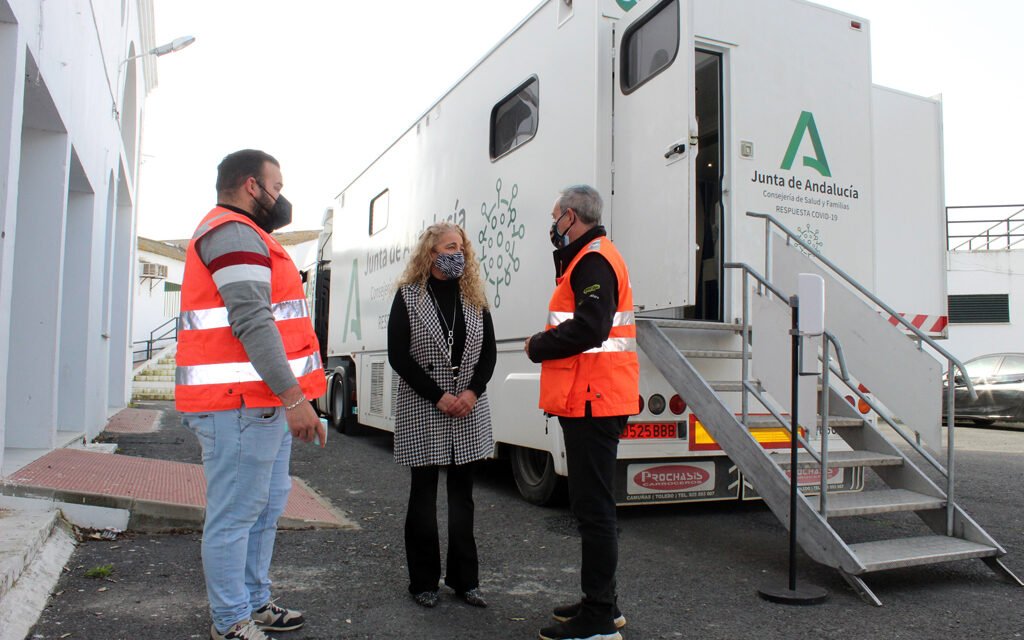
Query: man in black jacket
pixel 591 327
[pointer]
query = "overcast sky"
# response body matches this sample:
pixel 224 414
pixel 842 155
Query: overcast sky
pixel 326 86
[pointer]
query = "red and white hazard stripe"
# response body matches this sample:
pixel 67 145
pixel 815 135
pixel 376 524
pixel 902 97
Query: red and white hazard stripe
pixel 934 326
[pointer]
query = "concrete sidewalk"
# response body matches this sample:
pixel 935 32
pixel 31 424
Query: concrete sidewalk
pixel 92 489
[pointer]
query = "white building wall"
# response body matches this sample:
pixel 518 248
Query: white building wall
pixel 987 272
pixel 303 254
pixel 68 156
pixel 150 300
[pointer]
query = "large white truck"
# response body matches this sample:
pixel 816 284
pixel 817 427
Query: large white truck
pixel 742 150
pixel 686 115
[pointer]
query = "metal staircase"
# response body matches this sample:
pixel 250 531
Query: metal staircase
pixel 948 533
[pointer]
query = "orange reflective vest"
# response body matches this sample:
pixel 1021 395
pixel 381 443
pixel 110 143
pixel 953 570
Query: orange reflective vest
pixel 213 369
pixel 608 376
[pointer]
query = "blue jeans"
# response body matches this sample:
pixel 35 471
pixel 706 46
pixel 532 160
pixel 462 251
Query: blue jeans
pixel 245 457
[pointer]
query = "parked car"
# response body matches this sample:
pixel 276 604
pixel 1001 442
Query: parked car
pixel 998 379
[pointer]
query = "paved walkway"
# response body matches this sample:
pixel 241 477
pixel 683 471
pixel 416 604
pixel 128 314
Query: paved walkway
pixel 168 494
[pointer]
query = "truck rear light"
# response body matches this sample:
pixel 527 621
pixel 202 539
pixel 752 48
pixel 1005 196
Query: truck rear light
pixel 677 405
pixel 640 405
pixel 656 404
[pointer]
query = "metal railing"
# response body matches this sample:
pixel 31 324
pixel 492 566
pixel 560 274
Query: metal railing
pixel 821 455
pixel 951 361
pixel 1004 233
pixel 155 338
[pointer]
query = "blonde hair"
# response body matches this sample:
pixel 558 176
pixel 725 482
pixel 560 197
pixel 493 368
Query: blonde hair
pixel 418 270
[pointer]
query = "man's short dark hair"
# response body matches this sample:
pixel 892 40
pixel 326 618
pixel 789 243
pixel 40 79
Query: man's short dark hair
pixel 239 166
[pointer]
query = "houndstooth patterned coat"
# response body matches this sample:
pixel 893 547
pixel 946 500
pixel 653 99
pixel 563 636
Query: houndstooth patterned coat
pixel 424 436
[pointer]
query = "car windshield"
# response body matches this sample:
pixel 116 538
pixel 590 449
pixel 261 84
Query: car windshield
pixel 1012 365
pixel 982 367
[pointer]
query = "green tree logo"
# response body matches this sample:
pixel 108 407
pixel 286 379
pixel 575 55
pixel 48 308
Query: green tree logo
pixel 805 125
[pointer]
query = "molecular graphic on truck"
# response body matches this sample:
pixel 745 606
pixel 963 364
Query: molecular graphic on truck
pixel 497 240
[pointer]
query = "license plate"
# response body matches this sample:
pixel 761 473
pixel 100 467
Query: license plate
pixel 650 431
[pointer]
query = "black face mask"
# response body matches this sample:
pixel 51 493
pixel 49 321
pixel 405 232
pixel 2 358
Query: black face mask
pixel 559 240
pixel 278 216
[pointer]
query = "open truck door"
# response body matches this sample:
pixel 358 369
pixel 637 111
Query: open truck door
pixel 652 209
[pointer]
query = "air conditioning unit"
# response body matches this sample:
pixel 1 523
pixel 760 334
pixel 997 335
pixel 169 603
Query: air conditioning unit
pixel 153 270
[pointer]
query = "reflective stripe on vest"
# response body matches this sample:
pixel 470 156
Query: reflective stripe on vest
pixel 229 372
pixel 217 318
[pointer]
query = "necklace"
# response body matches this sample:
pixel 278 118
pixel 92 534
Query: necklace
pixel 450 329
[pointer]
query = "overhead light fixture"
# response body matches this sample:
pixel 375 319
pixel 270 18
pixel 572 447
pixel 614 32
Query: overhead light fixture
pixel 174 45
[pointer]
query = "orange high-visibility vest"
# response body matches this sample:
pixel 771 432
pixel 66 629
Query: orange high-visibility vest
pixel 608 376
pixel 213 369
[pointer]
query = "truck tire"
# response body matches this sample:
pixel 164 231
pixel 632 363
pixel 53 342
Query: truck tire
pixel 341 402
pixel 535 476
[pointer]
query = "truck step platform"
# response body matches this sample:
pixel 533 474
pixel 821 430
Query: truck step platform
pixel 696 325
pixel 882 501
pixel 761 422
pixel 711 353
pixel 840 459
pixel 909 552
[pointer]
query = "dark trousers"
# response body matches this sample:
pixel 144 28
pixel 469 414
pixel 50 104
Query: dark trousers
pixel 591 448
pixel 422 546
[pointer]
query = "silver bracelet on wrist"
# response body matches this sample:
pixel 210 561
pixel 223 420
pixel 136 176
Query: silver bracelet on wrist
pixel 295 404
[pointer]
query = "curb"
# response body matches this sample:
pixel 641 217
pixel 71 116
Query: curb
pixel 16 555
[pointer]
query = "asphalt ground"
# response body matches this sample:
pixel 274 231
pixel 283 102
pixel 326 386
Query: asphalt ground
pixel 686 571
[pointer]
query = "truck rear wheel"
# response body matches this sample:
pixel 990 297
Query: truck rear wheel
pixel 535 476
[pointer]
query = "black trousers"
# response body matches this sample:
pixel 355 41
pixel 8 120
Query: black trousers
pixel 591 448
pixel 422 546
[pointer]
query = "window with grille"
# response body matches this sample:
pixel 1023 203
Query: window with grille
pixel 979 308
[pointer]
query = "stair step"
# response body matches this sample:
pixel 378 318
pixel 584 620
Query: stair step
pixel 838 459
pixel 696 325
pixel 711 353
pixel 884 501
pixel 909 552
pixel 833 421
pixel 730 386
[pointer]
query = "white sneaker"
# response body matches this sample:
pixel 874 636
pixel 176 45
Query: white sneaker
pixel 244 630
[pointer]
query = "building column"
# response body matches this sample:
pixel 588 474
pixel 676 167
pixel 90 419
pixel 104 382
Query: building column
pixel 31 403
pixel 122 282
pixel 12 97
pixel 77 322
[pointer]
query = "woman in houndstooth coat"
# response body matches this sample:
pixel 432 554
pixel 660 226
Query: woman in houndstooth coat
pixel 441 344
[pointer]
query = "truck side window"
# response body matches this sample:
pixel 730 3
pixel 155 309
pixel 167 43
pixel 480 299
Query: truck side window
pixel 379 212
pixel 650 45
pixel 515 118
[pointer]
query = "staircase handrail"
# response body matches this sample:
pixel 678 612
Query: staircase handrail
pixel 821 456
pixel 924 337
pixel 170 334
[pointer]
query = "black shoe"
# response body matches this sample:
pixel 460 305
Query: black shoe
pixel 473 597
pixel 426 599
pixel 566 612
pixel 581 628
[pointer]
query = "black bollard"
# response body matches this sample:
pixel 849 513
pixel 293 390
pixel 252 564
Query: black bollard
pixel 790 593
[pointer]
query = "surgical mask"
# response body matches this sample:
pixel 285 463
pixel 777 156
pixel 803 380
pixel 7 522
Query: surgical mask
pixel 559 240
pixel 279 215
pixel 452 265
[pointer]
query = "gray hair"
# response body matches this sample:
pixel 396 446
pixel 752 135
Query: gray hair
pixel 584 200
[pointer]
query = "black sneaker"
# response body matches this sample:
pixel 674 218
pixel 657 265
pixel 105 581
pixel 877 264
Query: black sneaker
pixel 271 617
pixel 581 628
pixel 566 612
